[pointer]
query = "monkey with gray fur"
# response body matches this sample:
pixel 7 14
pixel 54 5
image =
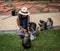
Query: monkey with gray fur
pixel 49 23
pixel 42 25
pixel 26 42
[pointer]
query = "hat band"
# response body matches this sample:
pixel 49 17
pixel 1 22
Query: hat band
pixel 24 12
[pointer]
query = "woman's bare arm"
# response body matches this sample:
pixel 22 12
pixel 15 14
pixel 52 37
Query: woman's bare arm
pixel 18 23
pixel 28 19
pixel 28 22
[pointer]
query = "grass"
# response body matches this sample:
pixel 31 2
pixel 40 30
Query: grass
pixel 46 41
pixel 40 9
pixel 9 5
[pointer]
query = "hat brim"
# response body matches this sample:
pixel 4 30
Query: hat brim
pixel 24 13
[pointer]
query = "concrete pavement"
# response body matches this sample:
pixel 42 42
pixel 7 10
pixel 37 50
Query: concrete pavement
pixel 8 22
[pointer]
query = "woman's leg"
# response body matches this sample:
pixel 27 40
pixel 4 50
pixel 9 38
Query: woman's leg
pixel 21 34
pixel 34 33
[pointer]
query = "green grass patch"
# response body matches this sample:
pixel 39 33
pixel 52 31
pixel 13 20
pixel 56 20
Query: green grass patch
pixel 46 41
pixel 9 5
pixel 40 9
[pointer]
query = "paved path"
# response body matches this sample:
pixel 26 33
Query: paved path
pixel 8 23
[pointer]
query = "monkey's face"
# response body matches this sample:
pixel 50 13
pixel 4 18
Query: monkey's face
pixel 26 37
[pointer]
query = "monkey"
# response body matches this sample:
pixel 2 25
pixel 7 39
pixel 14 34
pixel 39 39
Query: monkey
pixel 49 23
pixel 42 25
pixel 32 25
pixel 33 28
pixel 13 12
pixel 26 42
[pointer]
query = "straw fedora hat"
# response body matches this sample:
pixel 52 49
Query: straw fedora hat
pixel 24 11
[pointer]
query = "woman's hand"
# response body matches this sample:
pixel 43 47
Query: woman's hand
pixel 24 30
pixel 21 28
pixel 29 32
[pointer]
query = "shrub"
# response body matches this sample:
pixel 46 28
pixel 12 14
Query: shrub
pixel 9 5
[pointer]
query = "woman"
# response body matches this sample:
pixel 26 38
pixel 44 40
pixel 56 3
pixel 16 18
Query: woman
pixel 22 21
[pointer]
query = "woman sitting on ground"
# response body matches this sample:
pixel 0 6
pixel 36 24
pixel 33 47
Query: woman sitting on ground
pixel 22 22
